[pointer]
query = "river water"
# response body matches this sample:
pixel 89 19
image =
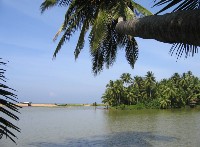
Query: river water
pixel 90 127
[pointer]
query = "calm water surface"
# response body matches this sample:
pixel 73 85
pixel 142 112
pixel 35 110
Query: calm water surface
pixel 88 127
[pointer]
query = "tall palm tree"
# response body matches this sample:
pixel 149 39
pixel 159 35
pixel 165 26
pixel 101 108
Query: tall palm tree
pixel 111 22
pixel 131 95
pixel 139 86
pixel 176 78
pixel 126 78
pixel 150 82
pixel 99 18
pixel 109 95
pixel 7 106
pixel 119 91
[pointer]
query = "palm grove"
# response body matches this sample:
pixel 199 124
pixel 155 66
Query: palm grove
pixel 145 92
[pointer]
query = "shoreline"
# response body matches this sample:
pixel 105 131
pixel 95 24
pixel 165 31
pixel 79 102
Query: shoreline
pixel 37 105
pixel 50 105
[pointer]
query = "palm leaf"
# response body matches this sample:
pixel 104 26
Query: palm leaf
pixel 131 52
pixel 48 4
pixel 100 18
pixel 7 93
pixel 141 9
pixel 51 3
pixel 99 30
pixel 178 4
pixel 81 39
pixel 180 48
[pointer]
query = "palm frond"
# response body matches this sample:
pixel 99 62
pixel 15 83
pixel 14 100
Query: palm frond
pixel 180 48
pixel 5 132
pixel 75 18
pixel 131 51
pixel 99 30
pixel 7 93
pixel 100 18
pixel 110 46
pixel 67 34
pixel 97 60
pixel 51 3
pixel 141 9
pixel 48 4
pixel 178 4
pixel 81 39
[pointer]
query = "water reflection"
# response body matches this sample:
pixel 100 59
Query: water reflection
pixel 120 139
pixel 87 126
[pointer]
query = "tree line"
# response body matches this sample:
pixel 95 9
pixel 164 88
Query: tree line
pixel 174 92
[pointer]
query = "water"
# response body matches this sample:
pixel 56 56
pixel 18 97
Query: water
pixel 88 127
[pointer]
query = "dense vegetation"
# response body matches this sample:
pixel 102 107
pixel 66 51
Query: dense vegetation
pixel 139 92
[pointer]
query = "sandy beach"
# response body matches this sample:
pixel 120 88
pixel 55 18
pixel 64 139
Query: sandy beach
pixel 48 105
pixel 37 105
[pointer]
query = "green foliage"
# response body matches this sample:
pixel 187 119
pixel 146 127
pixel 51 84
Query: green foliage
pixel 146 92
pixel 99 18
pixel 154 104
pixel 139 106
pixel 7 107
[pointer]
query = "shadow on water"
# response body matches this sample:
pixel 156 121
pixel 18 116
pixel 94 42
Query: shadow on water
pixel 119 139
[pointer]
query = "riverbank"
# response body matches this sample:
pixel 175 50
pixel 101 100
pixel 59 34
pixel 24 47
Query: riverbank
pixel 55 105
pixel 142 106
pixel 37 105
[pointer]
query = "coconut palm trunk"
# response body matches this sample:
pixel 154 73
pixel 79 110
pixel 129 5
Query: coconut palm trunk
pixel 178 27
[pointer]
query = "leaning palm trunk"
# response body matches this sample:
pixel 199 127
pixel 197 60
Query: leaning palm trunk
pixel 178 27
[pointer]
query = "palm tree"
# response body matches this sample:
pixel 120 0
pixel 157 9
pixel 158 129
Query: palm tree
pixel 119 91
pixel 160 27
pixel 169 28
pixel 138 85
pixel 176 79
pixel 131 95
pixel 150 82
pixel 109 95
pixel 113 24
pixel 7 99
pixel 126 78
pixel 99 18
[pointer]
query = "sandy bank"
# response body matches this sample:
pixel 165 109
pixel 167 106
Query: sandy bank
pixel 49 105
pixel 37 105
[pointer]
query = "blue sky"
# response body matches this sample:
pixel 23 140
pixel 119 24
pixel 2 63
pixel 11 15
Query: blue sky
pixel 26 41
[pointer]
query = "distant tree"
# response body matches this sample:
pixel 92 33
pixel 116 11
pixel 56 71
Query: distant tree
pixel 126 78
pixel 139 89
pixel 175 92
pixel 150 82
